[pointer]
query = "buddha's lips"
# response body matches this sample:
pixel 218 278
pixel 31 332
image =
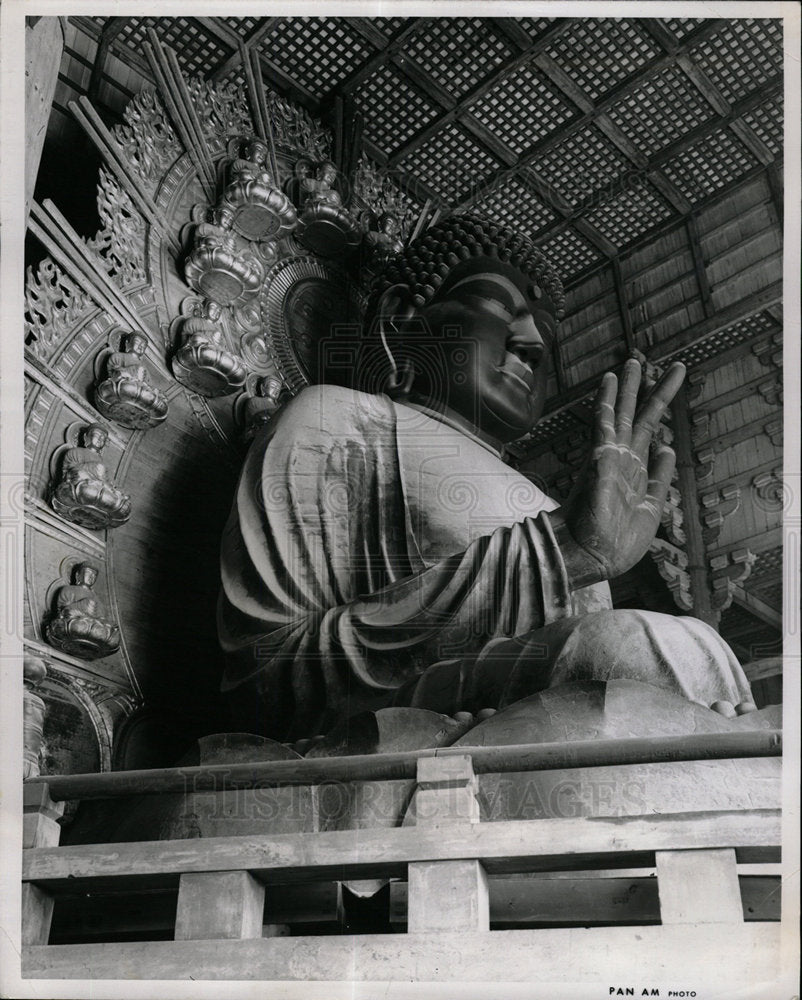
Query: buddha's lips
pixel 518 370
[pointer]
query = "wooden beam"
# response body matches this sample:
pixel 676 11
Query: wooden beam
pixel 386 53
pixel 774 177
pixel 760 609
pixel 702 280
pixel 695 550
pixel 716 99
pixel 623 305
pixel 758 670
pixel 504 846
pixel 678 953
pixel 404 764
pixel 214 905
pixel 111 29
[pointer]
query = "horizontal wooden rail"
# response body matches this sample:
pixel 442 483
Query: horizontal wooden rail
pixel 681 954
pixel 389 766
pixel 502 847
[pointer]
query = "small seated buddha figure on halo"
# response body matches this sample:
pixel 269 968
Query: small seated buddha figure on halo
pixel 216 267
pixel 253 165
pixel 259 209
pixel 126 395
pixel 261 407
pixel 83 493
pixel 202 363
pixel 79 626
pixel 380 552
pixel 325 225
pixel 320 189
pixel 384 242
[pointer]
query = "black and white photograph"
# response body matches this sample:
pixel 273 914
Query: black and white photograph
pixel 400 498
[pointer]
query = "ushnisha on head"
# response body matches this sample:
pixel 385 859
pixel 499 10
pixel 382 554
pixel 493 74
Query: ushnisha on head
pixel 467 315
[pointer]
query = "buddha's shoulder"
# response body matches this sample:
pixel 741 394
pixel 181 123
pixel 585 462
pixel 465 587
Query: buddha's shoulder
pixel 334 410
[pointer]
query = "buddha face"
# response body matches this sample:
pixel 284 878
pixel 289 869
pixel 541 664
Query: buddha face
pixel 95 437
pixel 85 575
pixel 257 151
pixel 327 173
pixel 388 224
pixel 497 379
pixel 136 344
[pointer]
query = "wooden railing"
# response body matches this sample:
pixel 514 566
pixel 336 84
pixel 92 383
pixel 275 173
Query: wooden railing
pixel 448 859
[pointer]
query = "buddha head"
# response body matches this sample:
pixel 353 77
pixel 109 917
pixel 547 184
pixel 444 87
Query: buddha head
pixel 256 151
pixel 327 173
pixel 136 343
pixel 212 310
pixel 388 224
pixel 269 387
pixel 95 437
pixel 224 216
pixel 467 316
pixel 85 574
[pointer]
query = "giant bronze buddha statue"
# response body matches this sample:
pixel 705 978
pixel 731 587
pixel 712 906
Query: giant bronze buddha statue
pixel 381 552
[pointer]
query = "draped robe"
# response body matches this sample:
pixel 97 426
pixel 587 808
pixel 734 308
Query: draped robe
pixel 370 544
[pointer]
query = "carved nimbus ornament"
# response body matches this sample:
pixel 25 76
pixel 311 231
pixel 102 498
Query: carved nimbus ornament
pixel 325 226
pixel 126 394
pixel 78 625
pixel 83 493
pixel 202 362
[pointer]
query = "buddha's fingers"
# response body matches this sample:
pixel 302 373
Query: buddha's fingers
pixel 660 473
pixel 655 406
pixel 604 412
pixel 627 401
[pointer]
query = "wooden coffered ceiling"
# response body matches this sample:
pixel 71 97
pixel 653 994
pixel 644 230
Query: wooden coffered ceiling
pixel 591 133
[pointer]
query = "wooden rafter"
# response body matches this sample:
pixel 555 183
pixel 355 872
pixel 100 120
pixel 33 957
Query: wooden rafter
pixel 260 31
pixel 110 31
pixel 700 271
pixel 388 50
pixel 623 305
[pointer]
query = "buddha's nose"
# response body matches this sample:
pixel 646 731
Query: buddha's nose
pixel 524 339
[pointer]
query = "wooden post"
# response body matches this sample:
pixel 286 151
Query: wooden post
pixel 44 42
pixel 37 914
pixel 40 815
pixel 695 547
pixel 447 895
pixel 216 905
pixel 699 887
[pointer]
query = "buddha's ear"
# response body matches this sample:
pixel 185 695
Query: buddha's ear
pixel 395 304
